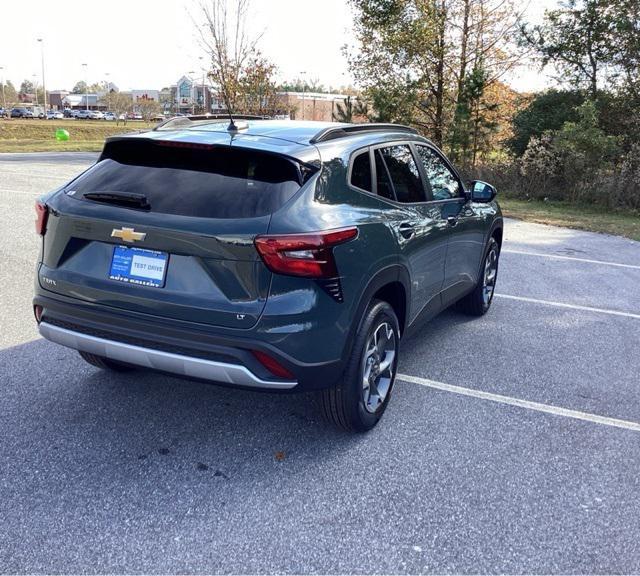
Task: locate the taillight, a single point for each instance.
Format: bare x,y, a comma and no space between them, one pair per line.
273,365
308,255
42,214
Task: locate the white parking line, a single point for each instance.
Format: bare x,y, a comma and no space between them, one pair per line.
570,306
558,257
528,405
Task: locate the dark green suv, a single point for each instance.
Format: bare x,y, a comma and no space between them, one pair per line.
265,254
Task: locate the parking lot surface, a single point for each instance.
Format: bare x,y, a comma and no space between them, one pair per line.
512,443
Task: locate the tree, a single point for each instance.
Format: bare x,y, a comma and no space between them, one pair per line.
578,39
80,88
303,85
228,44
344,112
148,108
10,95
27,87
412,58
547,110
257,93
119,104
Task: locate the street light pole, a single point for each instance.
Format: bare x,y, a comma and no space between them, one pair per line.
304,89
204,97
4,100
194,92
44,86
86,87
107,94
35,87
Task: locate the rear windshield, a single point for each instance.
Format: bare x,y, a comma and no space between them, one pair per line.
215,182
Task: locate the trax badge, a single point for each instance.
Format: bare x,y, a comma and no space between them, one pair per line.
127,234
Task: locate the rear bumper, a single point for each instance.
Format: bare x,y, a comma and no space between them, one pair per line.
182,348
179,364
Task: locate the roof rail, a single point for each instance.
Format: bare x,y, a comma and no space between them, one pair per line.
185,121
332,133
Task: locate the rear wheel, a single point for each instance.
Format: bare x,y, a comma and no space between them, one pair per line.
105,363
479,301
359,400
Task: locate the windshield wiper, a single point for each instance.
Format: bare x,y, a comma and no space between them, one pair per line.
130,199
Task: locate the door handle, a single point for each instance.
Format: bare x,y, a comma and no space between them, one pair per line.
452,221
406,230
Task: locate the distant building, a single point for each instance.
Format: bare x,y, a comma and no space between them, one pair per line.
55,98
137,95
190,96
311,105
80,101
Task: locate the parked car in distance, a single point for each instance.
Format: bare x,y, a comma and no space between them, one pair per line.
54,115
3,113
96,115
21,113
293,256
109,116
82,114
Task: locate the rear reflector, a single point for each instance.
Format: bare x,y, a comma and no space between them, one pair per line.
42,214
273,365
37,310
308,255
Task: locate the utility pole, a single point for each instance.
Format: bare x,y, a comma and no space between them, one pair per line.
194,92
4,100
304,89
86,87
107,94
35,87
44,86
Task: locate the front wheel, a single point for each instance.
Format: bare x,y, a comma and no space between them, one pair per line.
359,400
479,300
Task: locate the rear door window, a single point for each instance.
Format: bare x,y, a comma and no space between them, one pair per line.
383,184
215,182
404,173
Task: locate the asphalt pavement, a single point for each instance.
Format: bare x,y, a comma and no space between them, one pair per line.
511,445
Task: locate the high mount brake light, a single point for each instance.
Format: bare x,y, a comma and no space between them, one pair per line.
191,145
307,255
42,215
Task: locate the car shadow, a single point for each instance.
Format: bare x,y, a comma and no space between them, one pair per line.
55,401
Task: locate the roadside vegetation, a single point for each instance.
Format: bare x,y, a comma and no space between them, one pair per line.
571,154
577,216
39,135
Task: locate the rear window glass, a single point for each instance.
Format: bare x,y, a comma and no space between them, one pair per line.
219,182
361,172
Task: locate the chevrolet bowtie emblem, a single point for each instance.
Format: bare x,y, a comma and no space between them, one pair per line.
127,234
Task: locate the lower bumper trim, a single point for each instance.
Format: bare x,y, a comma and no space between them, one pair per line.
160,360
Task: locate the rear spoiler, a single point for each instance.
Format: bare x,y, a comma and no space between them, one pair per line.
126,147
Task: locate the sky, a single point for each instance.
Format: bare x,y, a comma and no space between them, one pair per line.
149,44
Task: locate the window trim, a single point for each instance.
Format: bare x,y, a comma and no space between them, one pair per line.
439,154
395,201
352,158
425,182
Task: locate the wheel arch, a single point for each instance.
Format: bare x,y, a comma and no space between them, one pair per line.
390,284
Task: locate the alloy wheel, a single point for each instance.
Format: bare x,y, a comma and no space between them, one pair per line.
378,366
490,275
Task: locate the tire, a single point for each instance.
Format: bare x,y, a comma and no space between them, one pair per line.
351,404
105,363
478,302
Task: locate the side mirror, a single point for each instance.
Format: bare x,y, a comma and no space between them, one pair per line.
482,192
